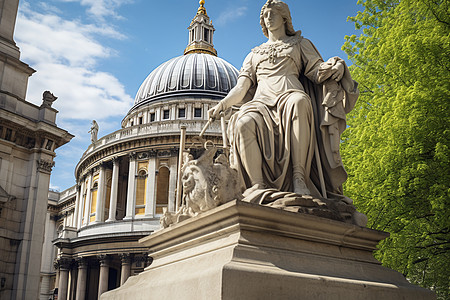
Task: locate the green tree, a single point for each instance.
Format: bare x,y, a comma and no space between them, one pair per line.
396,148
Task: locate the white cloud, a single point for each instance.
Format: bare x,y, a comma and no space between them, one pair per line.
102,8
231,14
65,53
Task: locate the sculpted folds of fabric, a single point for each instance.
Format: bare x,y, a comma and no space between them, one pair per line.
279,72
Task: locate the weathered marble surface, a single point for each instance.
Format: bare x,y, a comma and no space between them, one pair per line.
246,251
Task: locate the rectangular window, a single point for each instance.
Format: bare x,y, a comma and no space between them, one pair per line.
152,117
166,114
140,120
181,113
197,112
206,35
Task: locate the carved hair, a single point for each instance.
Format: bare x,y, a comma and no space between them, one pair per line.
281,8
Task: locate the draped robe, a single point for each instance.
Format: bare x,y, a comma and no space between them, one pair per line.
276,71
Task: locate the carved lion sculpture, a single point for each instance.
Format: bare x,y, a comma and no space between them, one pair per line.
206,185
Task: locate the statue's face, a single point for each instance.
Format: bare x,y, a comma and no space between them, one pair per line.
273,19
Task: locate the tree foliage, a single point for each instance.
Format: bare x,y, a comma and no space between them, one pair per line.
396,148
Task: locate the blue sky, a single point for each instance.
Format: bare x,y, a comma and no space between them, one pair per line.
94,54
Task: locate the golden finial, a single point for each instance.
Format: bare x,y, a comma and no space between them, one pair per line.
201,9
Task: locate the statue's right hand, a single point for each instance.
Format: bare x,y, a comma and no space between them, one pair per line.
214,112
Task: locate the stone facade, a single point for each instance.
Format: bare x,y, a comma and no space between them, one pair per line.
28,139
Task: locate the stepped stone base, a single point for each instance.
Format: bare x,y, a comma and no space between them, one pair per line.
246,251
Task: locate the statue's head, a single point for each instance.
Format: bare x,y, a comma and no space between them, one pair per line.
283,9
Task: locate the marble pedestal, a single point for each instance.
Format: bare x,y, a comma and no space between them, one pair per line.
246,251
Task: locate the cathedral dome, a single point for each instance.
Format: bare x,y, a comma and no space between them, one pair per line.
195,74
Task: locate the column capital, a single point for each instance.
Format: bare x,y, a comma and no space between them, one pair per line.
104,260
82,262
45,166
64,263
116,160
125,258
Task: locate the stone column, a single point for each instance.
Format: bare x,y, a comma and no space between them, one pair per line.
64,267
87,205
100,207
205,111
172,183
104,273
126,267
81,279
151,188
131,193
173,112
76,212
114,191
189,112
73,282
80,214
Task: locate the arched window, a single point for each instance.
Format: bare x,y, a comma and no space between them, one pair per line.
141,191
162,189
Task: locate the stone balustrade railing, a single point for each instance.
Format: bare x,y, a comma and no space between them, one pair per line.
156,128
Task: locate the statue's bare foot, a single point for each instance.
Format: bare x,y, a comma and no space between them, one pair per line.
300,187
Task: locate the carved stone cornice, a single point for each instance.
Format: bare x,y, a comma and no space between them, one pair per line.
45,166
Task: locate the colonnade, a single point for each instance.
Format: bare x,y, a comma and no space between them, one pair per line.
98,191
79,268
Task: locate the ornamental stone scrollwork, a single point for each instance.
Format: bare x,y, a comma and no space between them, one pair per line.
45,165
152,153
56,265
163,153
133,155
141,260
143,155
168,153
